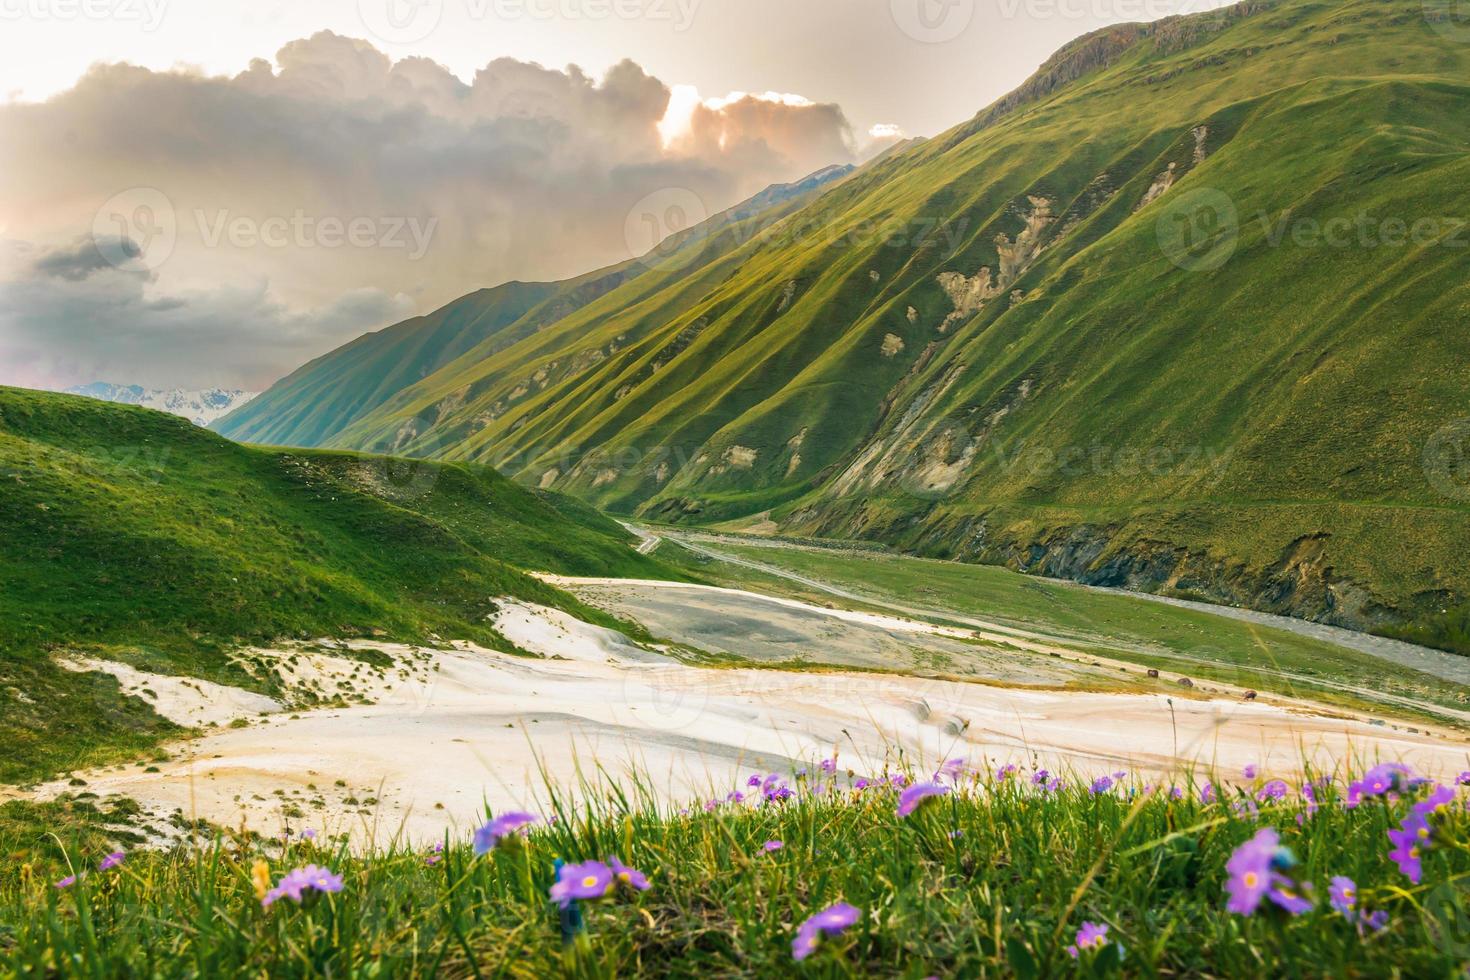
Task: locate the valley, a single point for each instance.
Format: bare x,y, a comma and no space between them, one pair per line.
800,653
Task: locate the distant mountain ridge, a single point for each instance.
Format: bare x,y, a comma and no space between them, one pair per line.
312,405
201,407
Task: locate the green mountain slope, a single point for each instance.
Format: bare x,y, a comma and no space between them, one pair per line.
134,535
316,402
1185,312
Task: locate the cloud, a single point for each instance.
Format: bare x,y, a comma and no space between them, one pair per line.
79,318
279,192
86,257
880,137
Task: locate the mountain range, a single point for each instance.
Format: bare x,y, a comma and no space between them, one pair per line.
201,407
1184,312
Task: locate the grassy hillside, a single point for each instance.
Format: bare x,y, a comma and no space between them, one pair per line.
133,534
314,404
1183,313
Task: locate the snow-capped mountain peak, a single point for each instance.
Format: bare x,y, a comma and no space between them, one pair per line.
200,407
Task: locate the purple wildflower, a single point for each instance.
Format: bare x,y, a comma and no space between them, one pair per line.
1344,894
1249,772
831,921
1256,872
435,855
860,784
1005,772
297,883
753,780
1288,896
918,795
1387,779
1373,921
488,837
1464,779
829,766
952,770
1101,785
1207,792
589,880
898,780
67,882
1441,796
772,845
111,861
1250,872
1309,793
308,834
1091,936
1275,790
1409,841
631,877
1040,777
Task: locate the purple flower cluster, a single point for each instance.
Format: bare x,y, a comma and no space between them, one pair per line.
296,884
1344,896
1090,937
1273,791
1389,781
591,880
774,789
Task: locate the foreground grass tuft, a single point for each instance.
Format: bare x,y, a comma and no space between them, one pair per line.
994,873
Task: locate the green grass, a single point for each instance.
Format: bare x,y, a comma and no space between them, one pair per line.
1257,431
138,537
993,880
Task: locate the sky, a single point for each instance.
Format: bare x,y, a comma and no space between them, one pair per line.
211,192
